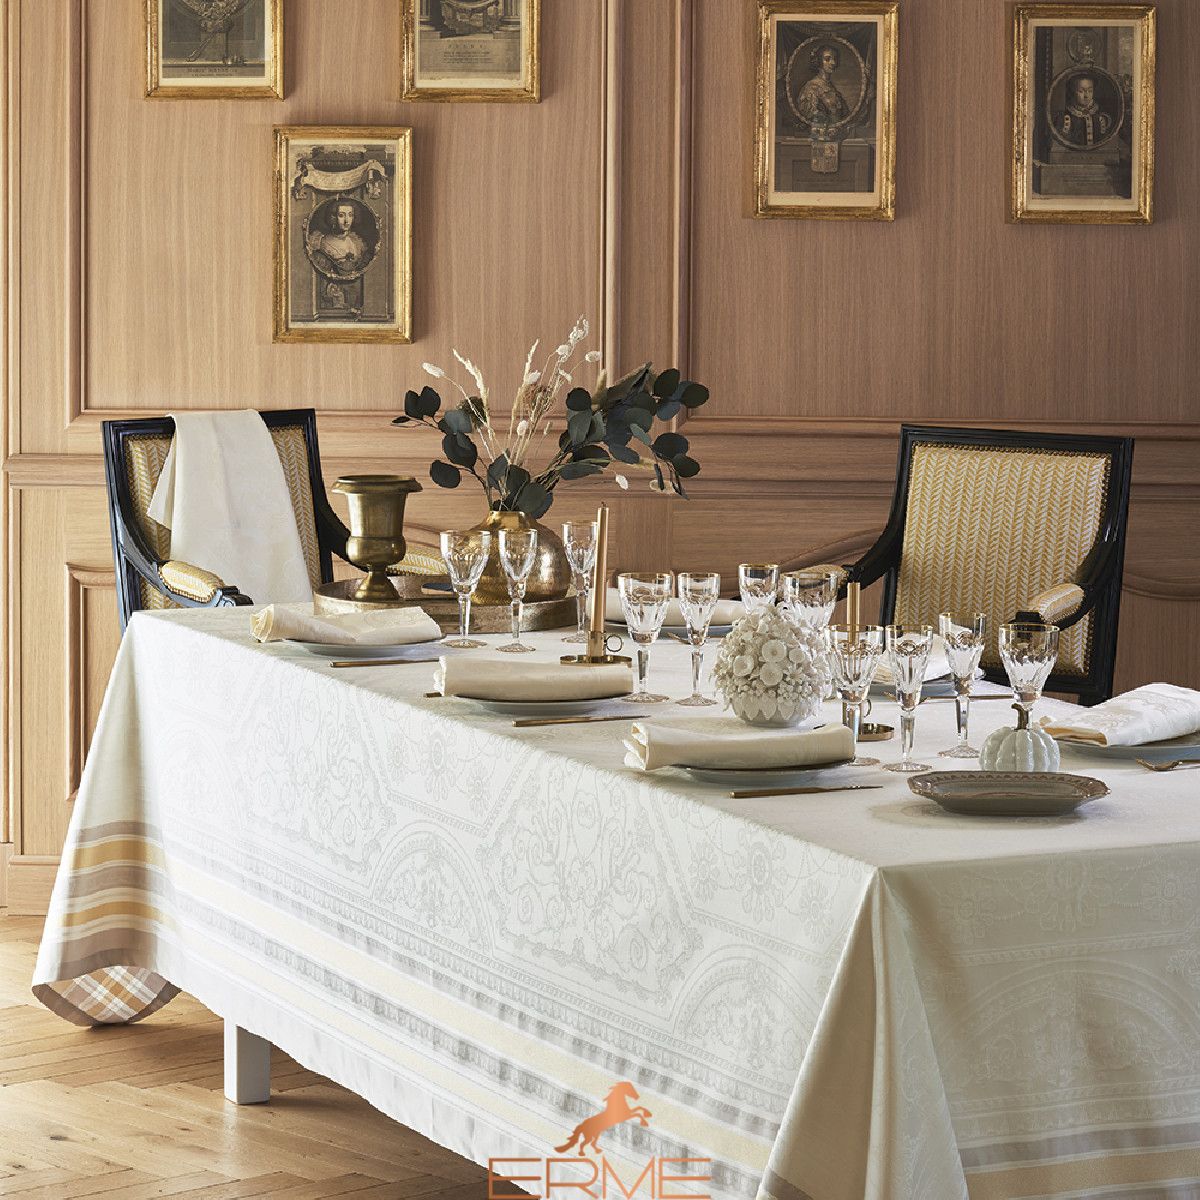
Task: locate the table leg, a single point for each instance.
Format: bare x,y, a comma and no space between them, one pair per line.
247,1066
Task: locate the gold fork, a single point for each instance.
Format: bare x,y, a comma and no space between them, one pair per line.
1168,766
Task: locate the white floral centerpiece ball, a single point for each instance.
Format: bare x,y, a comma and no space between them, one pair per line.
770,671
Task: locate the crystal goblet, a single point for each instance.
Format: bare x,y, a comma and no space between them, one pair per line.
465,553
908,648
852,660
963,634
644,599
758,584
698,596
517,550
579,542
1028,651
809,596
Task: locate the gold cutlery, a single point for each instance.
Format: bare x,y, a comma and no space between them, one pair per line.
381,662
974,699
530,722
687,641
804,791
1168,766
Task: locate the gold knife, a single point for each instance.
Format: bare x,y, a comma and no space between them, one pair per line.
974,699
530,722
804,791
380,662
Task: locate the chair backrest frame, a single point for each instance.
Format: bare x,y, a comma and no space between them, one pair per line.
135,560
1105,560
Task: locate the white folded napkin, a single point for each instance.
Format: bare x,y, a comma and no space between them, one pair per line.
725,612
395,627
490,679
728,743
1150,713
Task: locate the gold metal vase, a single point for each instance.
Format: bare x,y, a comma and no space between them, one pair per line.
550,576
376,541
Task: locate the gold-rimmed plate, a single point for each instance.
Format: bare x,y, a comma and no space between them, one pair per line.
1008,793
760,777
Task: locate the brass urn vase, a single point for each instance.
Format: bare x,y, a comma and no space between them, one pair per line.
550,576
376,541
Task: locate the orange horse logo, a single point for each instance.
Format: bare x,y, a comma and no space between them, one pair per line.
616,1110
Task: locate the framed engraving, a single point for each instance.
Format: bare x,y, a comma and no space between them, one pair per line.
471,49
825,110
214,49
343,234
1082,135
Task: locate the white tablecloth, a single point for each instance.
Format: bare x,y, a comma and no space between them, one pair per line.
482,929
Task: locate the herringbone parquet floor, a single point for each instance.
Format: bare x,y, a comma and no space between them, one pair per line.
129,1112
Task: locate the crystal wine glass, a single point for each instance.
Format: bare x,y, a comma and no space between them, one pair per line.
517,548
1029,652
908,648
698,596
465,553
579,541
809,597
852,659
759,583
963,634
644,597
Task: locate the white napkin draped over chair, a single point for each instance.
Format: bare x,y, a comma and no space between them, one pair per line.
490,679
393,627
223,495
726,743
1151,713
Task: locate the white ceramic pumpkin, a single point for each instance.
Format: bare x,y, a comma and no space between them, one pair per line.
1020,749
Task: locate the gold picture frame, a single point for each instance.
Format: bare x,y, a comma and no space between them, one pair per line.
1081,141
838,155
214,71
483,29
343,233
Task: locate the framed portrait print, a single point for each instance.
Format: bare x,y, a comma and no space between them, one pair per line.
825,110
471,49
217,49
343,234
1082,138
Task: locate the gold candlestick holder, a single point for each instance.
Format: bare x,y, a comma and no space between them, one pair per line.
598,653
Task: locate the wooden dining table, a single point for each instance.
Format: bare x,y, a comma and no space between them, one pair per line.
495,934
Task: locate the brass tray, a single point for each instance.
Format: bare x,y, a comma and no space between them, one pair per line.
336,598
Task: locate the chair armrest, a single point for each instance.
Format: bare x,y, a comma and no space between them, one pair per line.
842,573
193,586
1058,605
420,560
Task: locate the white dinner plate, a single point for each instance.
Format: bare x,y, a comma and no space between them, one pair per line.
541,708
415,651
1187,746
1008,793
760,777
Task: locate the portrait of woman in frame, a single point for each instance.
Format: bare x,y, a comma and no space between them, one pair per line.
1082,138
825,125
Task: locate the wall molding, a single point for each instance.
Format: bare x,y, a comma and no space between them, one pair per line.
77,581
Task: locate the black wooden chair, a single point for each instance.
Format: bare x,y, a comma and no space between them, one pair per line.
1020,526
147,576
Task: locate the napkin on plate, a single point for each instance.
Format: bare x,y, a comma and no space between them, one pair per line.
728,743
938,666
1150,713
490,679
395,627
725,613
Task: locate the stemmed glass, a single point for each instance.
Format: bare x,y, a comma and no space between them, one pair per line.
1029,652
852,659
465,553
908,648
579,541
698,596
759,583
517,548
644,597
809,597
963,634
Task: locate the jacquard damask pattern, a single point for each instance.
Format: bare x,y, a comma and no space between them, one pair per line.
988,529
481,929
